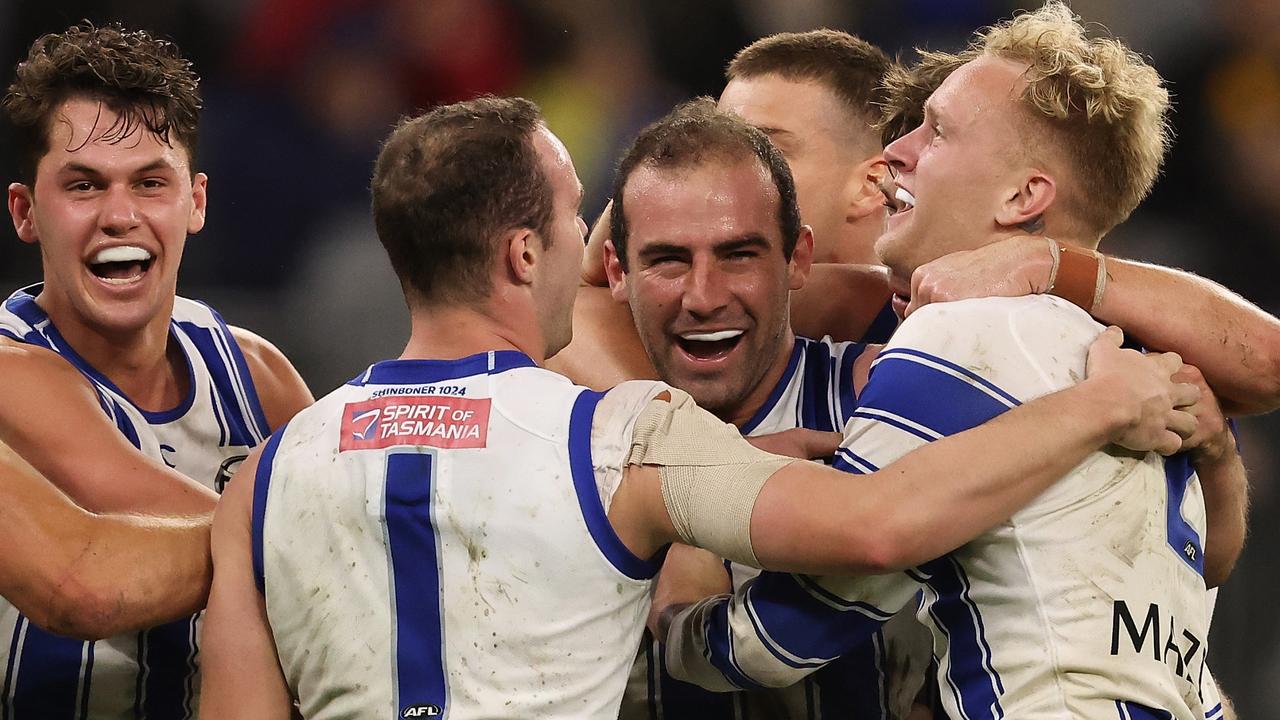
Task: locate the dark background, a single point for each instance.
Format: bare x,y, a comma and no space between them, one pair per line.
299,92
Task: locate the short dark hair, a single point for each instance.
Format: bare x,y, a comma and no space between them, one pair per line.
692,134
849,66
143,79
447,184
907,88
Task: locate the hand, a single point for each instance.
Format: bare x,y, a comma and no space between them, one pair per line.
1212,439
799,443
593,257
1009,268
688,575
1143,387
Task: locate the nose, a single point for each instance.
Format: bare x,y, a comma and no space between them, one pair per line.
901,154
705,290
119,213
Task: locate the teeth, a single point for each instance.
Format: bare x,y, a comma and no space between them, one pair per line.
712,336
905,198
120,281
123,253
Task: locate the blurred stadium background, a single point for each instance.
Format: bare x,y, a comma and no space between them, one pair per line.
298,94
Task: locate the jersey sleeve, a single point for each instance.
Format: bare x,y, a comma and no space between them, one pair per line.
611,428
953,366
779,627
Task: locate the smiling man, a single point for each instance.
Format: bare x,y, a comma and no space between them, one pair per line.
1041,615
126,397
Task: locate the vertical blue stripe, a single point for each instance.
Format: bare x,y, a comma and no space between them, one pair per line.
48,676
848,399
206,345
1183,538
976,685
261,484
815,401
411,539
167,670
254,411
882,327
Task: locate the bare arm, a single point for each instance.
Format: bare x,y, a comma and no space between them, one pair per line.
1235,343
242,676
281,390
90,576
50,416
814,519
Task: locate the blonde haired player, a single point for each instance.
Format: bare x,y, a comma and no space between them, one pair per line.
1090,601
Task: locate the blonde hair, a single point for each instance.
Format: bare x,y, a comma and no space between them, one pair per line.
1108,106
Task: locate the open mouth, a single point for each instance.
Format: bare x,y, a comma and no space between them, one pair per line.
120,265
709,345
898,199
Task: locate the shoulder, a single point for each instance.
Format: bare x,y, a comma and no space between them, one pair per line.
1027,345
29,367
281,389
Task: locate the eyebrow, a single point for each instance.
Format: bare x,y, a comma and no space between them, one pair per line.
152,166
749,240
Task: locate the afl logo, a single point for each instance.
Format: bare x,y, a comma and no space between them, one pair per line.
421,711
226,470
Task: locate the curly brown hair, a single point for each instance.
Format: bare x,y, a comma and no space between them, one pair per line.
144,80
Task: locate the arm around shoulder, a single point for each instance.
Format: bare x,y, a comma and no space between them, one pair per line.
281,390
91,576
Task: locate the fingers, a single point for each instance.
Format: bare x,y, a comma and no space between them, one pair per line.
1113,336
1181,423
1170,444
1169,361
1185,395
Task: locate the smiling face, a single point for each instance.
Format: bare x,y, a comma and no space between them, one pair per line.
823,145
707,280
111,217
956,170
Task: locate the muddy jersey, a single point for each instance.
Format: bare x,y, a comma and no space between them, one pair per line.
432,539
152,674
1089,602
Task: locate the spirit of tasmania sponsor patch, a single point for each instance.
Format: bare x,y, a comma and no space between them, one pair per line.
434,420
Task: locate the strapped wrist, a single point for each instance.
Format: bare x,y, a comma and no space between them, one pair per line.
1081,276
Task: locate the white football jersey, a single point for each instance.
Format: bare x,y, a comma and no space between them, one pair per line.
1088,603
432,539
152,674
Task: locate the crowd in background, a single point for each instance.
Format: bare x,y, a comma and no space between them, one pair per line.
298,94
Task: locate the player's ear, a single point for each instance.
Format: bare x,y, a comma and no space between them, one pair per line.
199,201
523,246
1025,204
20,206
863,190
801,259
614,272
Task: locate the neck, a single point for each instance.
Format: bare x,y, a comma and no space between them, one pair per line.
755,399
143,363
449,332
857,246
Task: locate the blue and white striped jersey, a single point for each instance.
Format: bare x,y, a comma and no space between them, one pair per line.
875,681
1090,602
432,539
152,674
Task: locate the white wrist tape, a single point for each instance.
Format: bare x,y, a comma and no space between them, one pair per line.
711,477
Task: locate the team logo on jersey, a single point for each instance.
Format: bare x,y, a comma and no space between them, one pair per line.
432,420
420,711
226,470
